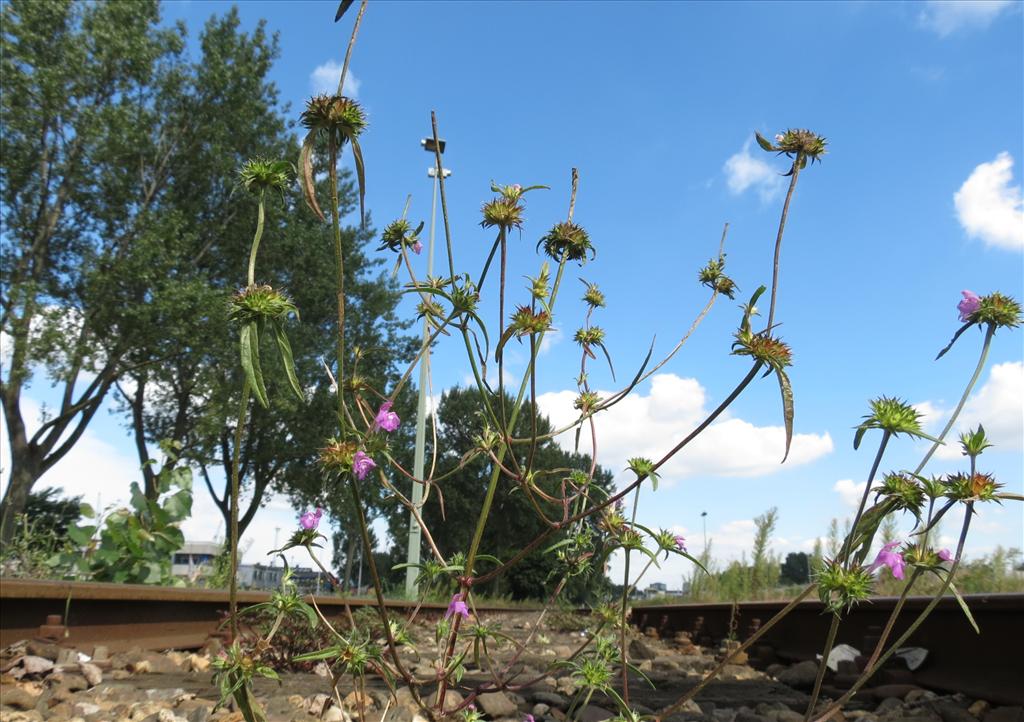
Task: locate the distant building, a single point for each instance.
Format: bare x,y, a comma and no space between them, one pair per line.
195,559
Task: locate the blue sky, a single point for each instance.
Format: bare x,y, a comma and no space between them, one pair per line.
918,198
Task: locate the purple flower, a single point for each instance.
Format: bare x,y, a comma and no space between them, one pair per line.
417,247
945,556
969,306
311,519
457,606
361,464
680,542
528,718
386,418
888,558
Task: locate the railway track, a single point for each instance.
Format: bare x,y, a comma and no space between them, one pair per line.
987,666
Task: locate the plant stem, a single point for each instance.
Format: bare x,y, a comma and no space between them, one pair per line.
778,238
678,704
236,453
848,544
339,261
963,398
829,641
351,45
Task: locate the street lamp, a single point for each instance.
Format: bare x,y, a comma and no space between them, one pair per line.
704,519
413,556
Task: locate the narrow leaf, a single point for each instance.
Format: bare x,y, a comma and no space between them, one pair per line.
763,142
787,407
861,430
953,340
343,7
357,154
250,348
963,606
286,358
306,179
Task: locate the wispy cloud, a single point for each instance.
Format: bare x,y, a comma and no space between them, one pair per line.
649,425
998,406
850,491
743,171
324,79
989,207
945,17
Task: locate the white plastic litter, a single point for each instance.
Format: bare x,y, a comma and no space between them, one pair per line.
840,653
913,656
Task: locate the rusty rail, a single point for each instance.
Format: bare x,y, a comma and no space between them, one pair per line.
988,666
123,616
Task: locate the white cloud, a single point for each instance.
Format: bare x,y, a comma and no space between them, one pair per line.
945,17
650,425
999,406
850,492
989,207
324,79
743,171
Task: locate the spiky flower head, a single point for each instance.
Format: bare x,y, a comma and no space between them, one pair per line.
974,442
768,349
337,456
257,303
526,321
258,175
505,213
586,401
400,234
590,336
798,143
840,588
540,287
464,297
713,276
593,296
998,310
894,416
972,487
903,492
334,116
568,240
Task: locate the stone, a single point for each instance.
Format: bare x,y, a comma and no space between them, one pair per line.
664,664
951,712
745,715
39,648
724,715
978,708
170,694
593,713
316,704
540,709
800,675
774,670
85,709
36,665
74,682
550,698
497,704
890,706
912,695
639,649
690,708
739,672
1005,714
199,714
93,674
198,663
788,715
18,697
335,714
120,674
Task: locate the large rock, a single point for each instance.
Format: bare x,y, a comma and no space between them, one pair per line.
951,712
800,675
550,698
593,713
18,697
638,649
497,704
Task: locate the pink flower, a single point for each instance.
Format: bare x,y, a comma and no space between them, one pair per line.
457,606
361,464
311,519
969,306
386,418
888,558
680,542
945,556
417,247
528,718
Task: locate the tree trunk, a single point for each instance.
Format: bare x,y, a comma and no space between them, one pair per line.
24,473
346,582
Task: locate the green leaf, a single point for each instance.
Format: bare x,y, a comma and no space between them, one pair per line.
861,430
787,407
250,348
87,511
286,358
80,535
306,179
953,340
327,653
764,143
357,155
963,606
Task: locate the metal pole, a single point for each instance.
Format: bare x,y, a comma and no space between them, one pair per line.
421,424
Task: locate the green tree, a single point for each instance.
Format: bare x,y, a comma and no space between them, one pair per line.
453,507
764,570
796,569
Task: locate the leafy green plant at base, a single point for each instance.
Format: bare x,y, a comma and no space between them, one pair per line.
134,545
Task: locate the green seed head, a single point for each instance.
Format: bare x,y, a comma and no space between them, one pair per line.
569,240
255,303
260,174
999,310
502,212
334,115
840,589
